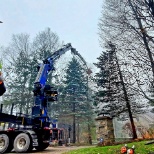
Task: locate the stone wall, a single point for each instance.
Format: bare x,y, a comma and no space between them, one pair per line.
104,129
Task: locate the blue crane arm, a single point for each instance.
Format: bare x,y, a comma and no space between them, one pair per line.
48,63
42,92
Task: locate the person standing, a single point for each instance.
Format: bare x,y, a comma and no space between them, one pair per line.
2,86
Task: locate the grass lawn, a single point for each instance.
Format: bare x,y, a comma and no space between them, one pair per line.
140,148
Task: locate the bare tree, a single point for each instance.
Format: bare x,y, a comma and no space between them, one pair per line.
129,25
22,59
45,43
17,70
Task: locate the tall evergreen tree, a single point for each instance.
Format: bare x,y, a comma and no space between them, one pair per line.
111,86
75,84
110,95
113,97
74,100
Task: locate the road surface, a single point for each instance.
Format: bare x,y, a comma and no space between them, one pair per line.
57,150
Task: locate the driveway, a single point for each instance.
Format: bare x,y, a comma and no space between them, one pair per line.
57,150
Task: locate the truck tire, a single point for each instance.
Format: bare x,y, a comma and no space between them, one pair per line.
22,143
42,146
5,144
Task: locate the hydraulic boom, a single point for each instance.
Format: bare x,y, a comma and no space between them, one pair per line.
42,92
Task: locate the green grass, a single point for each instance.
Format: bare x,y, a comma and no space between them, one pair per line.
140,148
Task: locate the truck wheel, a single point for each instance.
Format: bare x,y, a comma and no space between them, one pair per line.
22,143
42,146
5,144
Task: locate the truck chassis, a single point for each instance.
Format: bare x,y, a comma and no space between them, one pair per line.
25,138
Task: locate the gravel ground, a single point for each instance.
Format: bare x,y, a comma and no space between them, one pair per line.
57,150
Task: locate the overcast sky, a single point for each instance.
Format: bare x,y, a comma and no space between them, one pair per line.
74,21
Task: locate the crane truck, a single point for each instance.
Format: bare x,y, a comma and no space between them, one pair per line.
36,131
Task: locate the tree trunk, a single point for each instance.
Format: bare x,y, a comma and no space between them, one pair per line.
125,95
